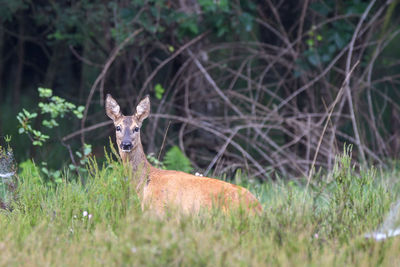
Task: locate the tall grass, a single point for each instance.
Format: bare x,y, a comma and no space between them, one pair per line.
101,223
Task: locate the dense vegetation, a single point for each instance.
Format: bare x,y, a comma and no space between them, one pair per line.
238,84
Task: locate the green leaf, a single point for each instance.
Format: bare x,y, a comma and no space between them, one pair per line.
45,92
159,90
87,149
340,42
45,171
27,114
37,143
57,174
49,124
247,20
312,57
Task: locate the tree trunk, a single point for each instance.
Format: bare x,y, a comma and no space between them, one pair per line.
52,66
86,71
20,64
1,69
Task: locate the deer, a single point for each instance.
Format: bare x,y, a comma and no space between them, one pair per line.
160,189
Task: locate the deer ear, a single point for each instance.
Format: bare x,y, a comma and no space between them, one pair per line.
112,108
143,109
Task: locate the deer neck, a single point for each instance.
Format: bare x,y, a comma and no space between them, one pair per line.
136,158
138,162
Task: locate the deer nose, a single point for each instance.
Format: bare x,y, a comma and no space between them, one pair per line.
126,145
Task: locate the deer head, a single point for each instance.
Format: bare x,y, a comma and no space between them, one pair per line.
127,127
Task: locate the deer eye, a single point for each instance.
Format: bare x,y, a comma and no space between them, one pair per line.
136,129
118,128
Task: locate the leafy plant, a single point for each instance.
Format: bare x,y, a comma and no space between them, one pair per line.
174,159
24,118
324,44
354,195
53,176
83,158
52,108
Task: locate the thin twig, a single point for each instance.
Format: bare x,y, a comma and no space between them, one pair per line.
87,129
220,152
347,82
174,55
215,132
81,58
163,142
326,125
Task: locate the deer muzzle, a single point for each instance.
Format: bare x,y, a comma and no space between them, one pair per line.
126,146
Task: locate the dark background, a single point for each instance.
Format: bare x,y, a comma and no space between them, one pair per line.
247,84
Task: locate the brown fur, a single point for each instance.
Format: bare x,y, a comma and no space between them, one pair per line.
160,189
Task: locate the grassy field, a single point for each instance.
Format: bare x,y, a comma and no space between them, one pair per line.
101,223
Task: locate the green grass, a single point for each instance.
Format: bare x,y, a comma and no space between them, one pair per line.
324,226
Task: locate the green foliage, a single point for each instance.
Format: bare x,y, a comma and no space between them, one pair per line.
53,177
324,44
25,120
9,8
73,24
159,20
52,108
174,159
56,107
353,195
83,158
29,169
